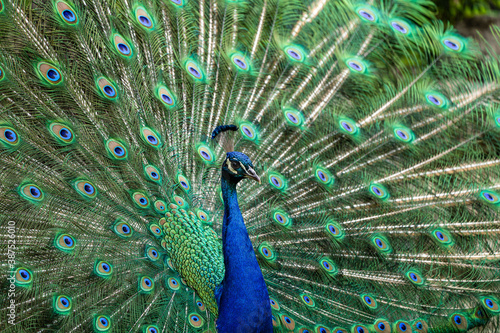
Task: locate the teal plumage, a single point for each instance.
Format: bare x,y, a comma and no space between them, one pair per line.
375,130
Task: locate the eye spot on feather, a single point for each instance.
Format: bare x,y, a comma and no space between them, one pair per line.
379,191
144,19
434,100
116,150
381,244
103,269
151,137
274,304
184,183
402,327
437,99
173,283
123,229
288,322
328,266
155,229
307,300
85,188
194,70
358,67
62,304
399,27
323,176
275,322
23,277
415,277
152,173
443,237
65,242
459,321
282,218
420,326
140,200
106,88
160,206
295,53
180,202
369,301
152,253
202,215
293,117
491,304
277,181
49,73
9,136
382,326
166,96
178,3
152,329
453,44
206,154
195,320
322,329
267,252
122,46
31,192
403,134
240,61
102,323
490,197
67,13
348,126
62,133
146,284
367,14
248,132
335,230
200,305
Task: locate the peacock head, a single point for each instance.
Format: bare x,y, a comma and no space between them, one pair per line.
238,166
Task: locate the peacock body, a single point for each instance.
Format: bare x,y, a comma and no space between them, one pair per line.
373,127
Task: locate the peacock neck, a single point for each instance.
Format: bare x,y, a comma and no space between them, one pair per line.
244,294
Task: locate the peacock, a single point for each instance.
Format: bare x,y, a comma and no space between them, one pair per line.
318,166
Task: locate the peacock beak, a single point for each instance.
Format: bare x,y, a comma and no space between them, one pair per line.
252,174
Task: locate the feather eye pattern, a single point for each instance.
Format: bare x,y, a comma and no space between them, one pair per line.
166,96
103,269
373,127
122,46
66,12
65,243
62,133
49,73
62,304
23,277
106,88
102,323
85,188
123,229
31,192
9,137
116,150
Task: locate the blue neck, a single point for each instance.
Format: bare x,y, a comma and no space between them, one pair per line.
244,300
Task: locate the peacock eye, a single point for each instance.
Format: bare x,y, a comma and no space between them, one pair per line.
235,165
